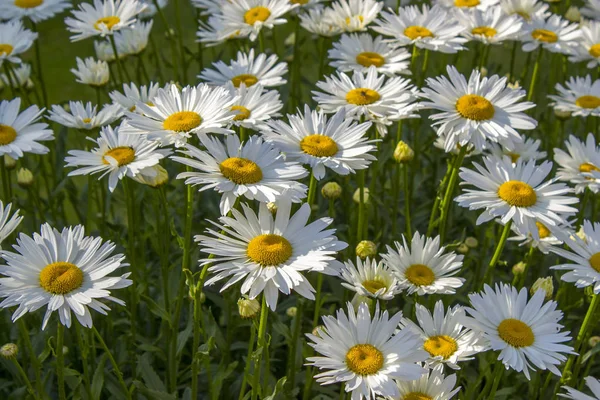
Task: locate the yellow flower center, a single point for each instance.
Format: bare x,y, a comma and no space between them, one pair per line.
475,107
544,35
514,157
587,167
440,345
466,3
374,285
5,49
517,193
109,22
595,50
241,171
416,396
28,3
256,14
486,31
523,14
419,275
543,231
362,96
182,121
60,277
588,101
87,120
364,359
123,154
360,18
8,134
367,58
319,145
242,113
269,250
246,79
299,1
516,333
417,32
595,261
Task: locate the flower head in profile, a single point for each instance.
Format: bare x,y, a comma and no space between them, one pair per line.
20,132
92,72
134,40
580,96
543,241
103,18
117,155
176,114
132,94
577,164
476,111
516,192
432,385
63,270
317,22
254,169
370,278
424,267
592,383
85,116
431,28
8,221
525,9
524,149
15,39
491,26
589,45
338,143
525,331
353,15
35,10
366,352
270,253
21,77
553,34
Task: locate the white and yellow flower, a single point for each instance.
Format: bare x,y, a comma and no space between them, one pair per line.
254,106
553,34
370,278
526,9
35,10
15,39
466,5
545,238
524,149
353,15
92,72
85,116
21,132
8,222
580,96
491,26
430,386
577,165
316,21
588,48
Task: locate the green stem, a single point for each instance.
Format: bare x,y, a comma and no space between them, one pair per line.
492,383
5,182
312,190
248,360
122,70
60,361
295,339
360,177
260,344
33,360
407,201
25,378
38,63
114,364
536,68
497,253
131,232
83,350
448,197
512,61
172,43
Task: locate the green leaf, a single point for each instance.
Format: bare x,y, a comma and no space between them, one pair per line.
278,388
150,377
153,394
98,378
156,309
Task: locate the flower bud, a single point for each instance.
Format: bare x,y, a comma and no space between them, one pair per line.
366,248
291,312
514,85
154,176
358,299
573,14
471,242
9,350
581,234
562,115
518,268
248,308
331,191
403,153
462,248
593,341
317,330
356,196
272,207
9,162
483,71
24,178
544,284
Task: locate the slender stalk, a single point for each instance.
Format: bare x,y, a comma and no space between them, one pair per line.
5,182
534,76
113,362
131,232
312,190
243,134
83,350
492,383
360,177
180,41
122,70
33,360
60,361
512,60
497,253
248,359
25,378
295,339
38,63
406,180
260,344
197,315
448,197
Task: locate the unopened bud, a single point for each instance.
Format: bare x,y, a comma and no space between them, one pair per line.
356,196
562,115
581,234
291,312
154,176
272,207
518,268
331,190
544,284
317,330
573,14
462,248
593,341
483,71
403,153
366,248
24,178
248,308
9,162
514,85
471,242
9,350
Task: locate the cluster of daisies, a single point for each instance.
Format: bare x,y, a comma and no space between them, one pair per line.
229,135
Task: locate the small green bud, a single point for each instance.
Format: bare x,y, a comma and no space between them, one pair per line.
9,350
9,162
291,312
518,268
593,341
403,153
562,115
24,178
356,196
331,191
471,242
544,284
462,248
366,248
248,308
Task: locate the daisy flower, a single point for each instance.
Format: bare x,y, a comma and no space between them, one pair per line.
577,165
86,116
474,112
432,385
254,170
580,96
523,149
584,266
591,9
369,95
357,52
179,113
250,16
105,52
21,77
248,70
133,41
150,9
103,18
270,253
8,222
92,72
592,383
254,105
14,40
214,31
545,237
553,34
526,9
370,278
338,143
132,95
516,192
366,353
427,28
466,5
353,15
316,21
525,332
589,45
65,271
117,155
422,267
209,7
21,132
35,10
491,26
